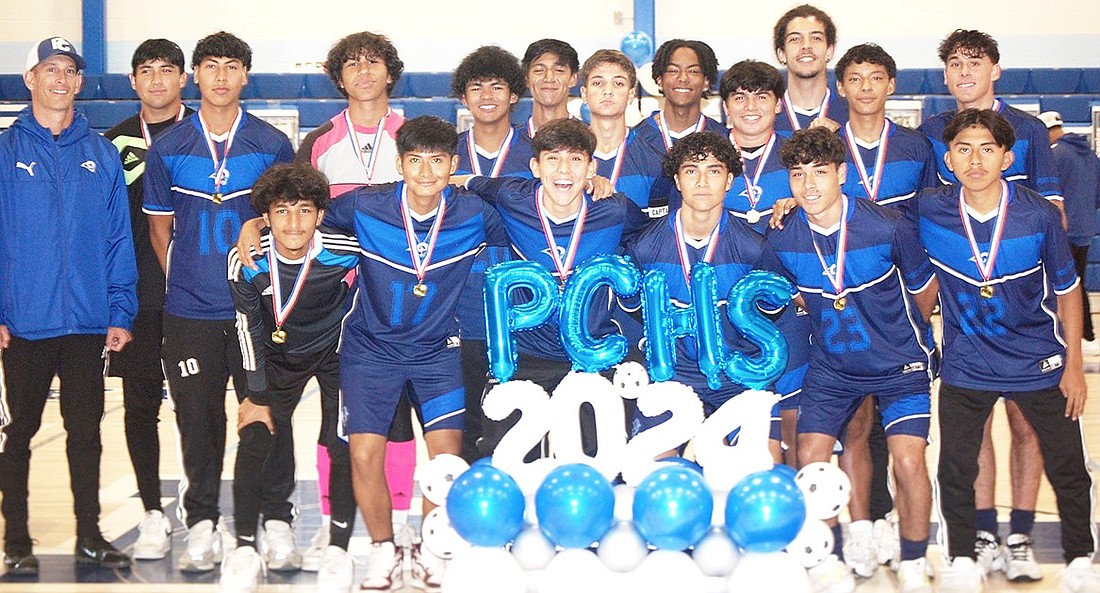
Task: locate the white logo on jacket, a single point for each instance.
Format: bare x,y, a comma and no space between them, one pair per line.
89,165
28,168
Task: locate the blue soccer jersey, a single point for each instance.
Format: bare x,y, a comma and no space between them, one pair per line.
768,177
1006,337
791,118
179,181
516,163
663,194
399,317
1034,164
737,251
869,335
603,226
907,167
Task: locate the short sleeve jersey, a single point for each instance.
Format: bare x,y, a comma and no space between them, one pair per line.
1034,164
908,167
1009,339
179,181
875,337
605,224
351,157
663,195
390,319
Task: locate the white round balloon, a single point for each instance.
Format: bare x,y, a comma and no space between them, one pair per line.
439,535
532,549
483,570
716,555
774,571
826,489
666,570
574,570
437,475
645,76
813,544
630,378
622,549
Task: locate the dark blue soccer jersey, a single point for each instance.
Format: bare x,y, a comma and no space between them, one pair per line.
1034,164
771,184
663,194
606,223
909,167
836,110
877,338
1011,339
740,250
390,320
517,163
179,181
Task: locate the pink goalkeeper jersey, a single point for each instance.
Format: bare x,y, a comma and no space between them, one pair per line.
365,156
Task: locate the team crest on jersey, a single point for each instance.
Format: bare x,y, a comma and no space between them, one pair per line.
421,249
985,258
830,272
557,249
220,177
752,194
870,179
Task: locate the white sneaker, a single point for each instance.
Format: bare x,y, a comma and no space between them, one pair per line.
887,540
384,568
1090,348
988,552
337,571
832,576
204,548
427,569
1019,559
1079,577
963,575
859,549
154,537
311,556
913,577
279,549
241,571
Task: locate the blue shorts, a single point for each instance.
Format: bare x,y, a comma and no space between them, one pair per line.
789,387
829,411
371,388
794,324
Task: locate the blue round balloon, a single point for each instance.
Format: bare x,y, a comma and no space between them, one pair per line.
785,469
673,507
485,506
765,511
575,505
638,46
681,462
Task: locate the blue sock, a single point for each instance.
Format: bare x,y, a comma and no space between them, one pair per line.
911,550
1021,521
838,541
986,520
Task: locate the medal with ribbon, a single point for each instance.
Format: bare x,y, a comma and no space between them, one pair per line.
788,108
681,244
221,174
617,166
375,146
502,153
564,265
985,265
282,308
835,274
420,263
146,135
666,135
871,187
752,186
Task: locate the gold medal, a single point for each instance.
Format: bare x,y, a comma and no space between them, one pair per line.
752,216
278,336
840,303
987,292
420,290
218,198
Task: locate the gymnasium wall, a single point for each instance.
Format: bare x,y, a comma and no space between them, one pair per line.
432,35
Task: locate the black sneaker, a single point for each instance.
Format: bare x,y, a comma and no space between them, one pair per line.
98,551
19,560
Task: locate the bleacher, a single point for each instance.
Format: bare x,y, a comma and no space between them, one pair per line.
108,99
